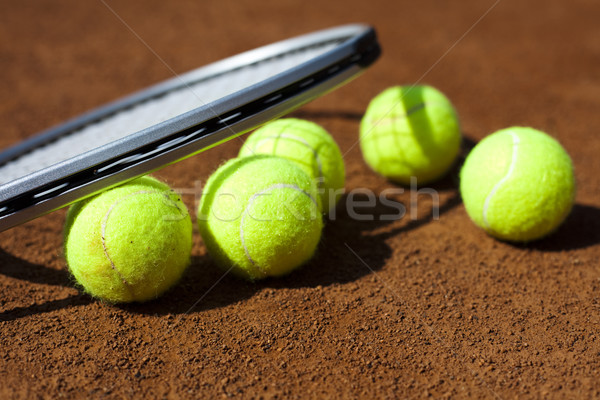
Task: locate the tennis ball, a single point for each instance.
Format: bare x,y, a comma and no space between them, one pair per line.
410,131
129,243
260,216
310,147
518,184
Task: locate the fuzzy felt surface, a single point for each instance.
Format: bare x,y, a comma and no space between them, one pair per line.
410,131
130,243
518,184
309,146
260,216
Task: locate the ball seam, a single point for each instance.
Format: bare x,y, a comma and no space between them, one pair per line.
515,150
300,140
249,205
103,235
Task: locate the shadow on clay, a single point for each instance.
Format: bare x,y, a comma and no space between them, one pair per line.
206,287
49,306
334,114
17,268
203,287
196,284
335,261
350,249
581,229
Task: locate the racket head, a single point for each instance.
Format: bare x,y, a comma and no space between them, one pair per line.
176,119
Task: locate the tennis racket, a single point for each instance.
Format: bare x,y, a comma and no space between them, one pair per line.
176,119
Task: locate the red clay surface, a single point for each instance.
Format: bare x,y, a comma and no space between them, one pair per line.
409,308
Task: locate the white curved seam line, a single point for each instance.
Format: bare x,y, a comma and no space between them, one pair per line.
251,202
103,230
302,142
511,168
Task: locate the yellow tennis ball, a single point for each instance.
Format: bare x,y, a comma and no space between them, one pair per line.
410,131
518,184
309,146
260,216
129,243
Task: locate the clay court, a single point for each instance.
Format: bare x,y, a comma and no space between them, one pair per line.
410,307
